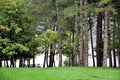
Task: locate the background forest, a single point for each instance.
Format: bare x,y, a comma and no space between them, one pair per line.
63,27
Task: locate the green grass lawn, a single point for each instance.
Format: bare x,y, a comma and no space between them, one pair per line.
60,73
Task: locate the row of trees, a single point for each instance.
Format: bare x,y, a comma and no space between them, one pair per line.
63,27
17,32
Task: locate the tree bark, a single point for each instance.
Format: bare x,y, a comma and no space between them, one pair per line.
46,57
51,61
73,40
91,41
114,43
76,51
33,61
110,58
44,60
114,56
81,40
60,35
99,42
105,39
109,49
86,36
21,62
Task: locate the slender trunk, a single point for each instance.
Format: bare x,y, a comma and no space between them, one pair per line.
51,61
109,49
54,54
44,60
119,59
83,51
69,60
60,48
33,61
60,35
28,63
99,42
86,47
15,64
46,57
114,43
91,41
81,40
21,62
86,36
114,58
12,62
4,63
76,51
105,39
72,41
72,57
110,58
7,65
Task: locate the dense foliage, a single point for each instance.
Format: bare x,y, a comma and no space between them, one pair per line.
64,27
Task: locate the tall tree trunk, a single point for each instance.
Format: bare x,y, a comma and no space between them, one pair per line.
81,40
86,36
72,42
72,57
99,42
114,43
109,49
105,39
90,24
33,61
60,35
76,51
60,49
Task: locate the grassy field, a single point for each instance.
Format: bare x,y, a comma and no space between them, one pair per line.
60,73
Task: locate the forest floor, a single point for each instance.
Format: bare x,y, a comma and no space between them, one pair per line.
60,73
